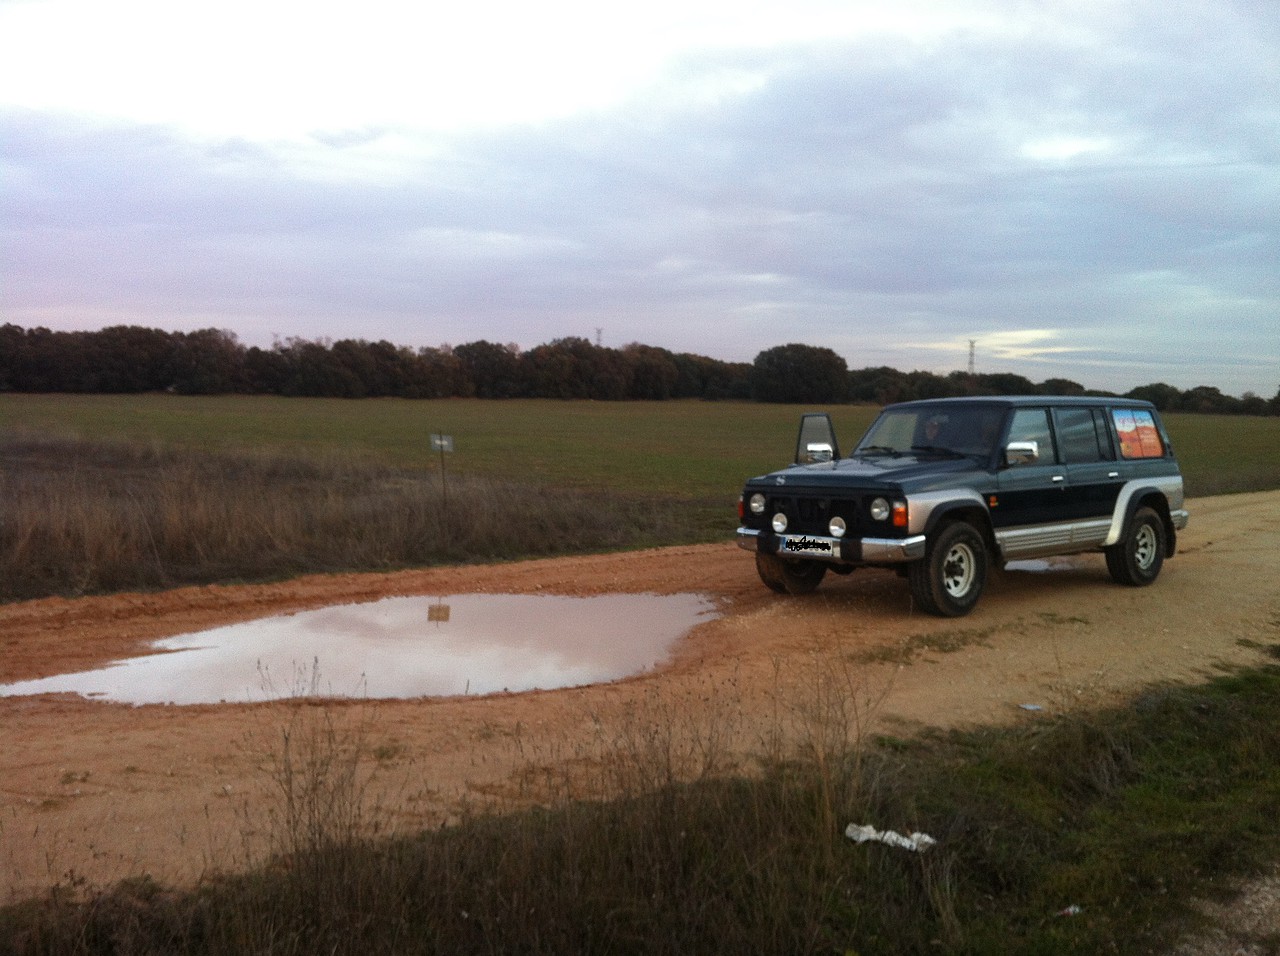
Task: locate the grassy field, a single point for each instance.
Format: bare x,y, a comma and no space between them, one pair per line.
690,449
693,451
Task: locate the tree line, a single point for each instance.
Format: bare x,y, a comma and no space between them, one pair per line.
127,359
131,359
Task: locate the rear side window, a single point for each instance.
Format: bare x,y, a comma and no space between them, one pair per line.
1082,435
1139,437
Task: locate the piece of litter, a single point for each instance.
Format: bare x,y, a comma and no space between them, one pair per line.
1031,707
1072,910
917,842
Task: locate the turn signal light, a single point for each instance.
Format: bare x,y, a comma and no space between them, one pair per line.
899,514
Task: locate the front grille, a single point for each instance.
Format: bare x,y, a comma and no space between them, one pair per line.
806,515
812,513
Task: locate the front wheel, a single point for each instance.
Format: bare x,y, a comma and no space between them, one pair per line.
1137,559
949,579
790,577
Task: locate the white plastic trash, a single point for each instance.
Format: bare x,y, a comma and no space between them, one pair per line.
917,842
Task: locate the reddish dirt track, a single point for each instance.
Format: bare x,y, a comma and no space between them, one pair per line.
96,791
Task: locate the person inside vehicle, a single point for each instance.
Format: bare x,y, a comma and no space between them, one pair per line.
932,429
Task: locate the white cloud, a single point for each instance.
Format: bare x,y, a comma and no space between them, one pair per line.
1057,182
1066,147
275,69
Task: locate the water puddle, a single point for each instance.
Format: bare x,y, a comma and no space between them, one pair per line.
400,647
1042,565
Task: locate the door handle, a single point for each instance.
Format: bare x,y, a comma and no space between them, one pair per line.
1113,474
1058,478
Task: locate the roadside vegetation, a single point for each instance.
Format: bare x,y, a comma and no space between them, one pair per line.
174,490
1080,833
82,517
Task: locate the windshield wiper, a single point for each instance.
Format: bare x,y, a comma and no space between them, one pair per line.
937,450
877,450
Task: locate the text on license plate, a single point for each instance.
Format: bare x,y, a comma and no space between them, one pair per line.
803,545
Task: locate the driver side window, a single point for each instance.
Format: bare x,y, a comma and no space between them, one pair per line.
1032,424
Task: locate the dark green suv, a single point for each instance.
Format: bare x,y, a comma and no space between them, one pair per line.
940,489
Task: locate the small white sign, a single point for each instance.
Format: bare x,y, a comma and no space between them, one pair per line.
442,443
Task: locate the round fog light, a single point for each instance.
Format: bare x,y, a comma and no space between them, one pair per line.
880,509
779,522
837,527
757,504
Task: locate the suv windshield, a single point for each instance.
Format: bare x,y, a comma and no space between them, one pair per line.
934,430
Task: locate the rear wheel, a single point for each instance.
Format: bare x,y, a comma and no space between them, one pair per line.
949,579
790,577
1136,560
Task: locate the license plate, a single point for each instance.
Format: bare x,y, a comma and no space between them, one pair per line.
802,546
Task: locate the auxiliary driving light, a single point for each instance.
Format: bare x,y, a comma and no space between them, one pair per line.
837,527
779,522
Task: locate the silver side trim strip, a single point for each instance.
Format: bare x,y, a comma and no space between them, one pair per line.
1034,539
1091,533
1040,539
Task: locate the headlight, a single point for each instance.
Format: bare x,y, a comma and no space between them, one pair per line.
880,509
757,504
837,527
779,522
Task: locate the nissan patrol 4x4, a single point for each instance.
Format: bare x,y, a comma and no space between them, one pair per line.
940,489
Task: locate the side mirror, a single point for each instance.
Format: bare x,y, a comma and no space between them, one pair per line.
1021,453
817,439
818,451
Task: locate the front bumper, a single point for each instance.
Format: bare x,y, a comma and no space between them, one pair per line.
835,550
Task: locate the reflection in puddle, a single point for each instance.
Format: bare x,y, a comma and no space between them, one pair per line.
400,647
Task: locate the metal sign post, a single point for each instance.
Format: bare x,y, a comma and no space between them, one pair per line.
442,444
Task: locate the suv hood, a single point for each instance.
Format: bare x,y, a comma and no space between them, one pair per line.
873,470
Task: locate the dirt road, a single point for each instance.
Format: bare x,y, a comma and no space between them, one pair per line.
96,792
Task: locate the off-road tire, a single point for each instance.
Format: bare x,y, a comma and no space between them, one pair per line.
1137,559
949,579
767,566
790,577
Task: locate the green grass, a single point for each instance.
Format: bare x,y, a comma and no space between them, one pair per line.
693,451
687,449
1224,454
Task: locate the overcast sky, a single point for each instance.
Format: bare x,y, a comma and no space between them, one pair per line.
1086,189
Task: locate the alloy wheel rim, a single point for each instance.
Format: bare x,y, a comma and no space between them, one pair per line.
1144,546
958,569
